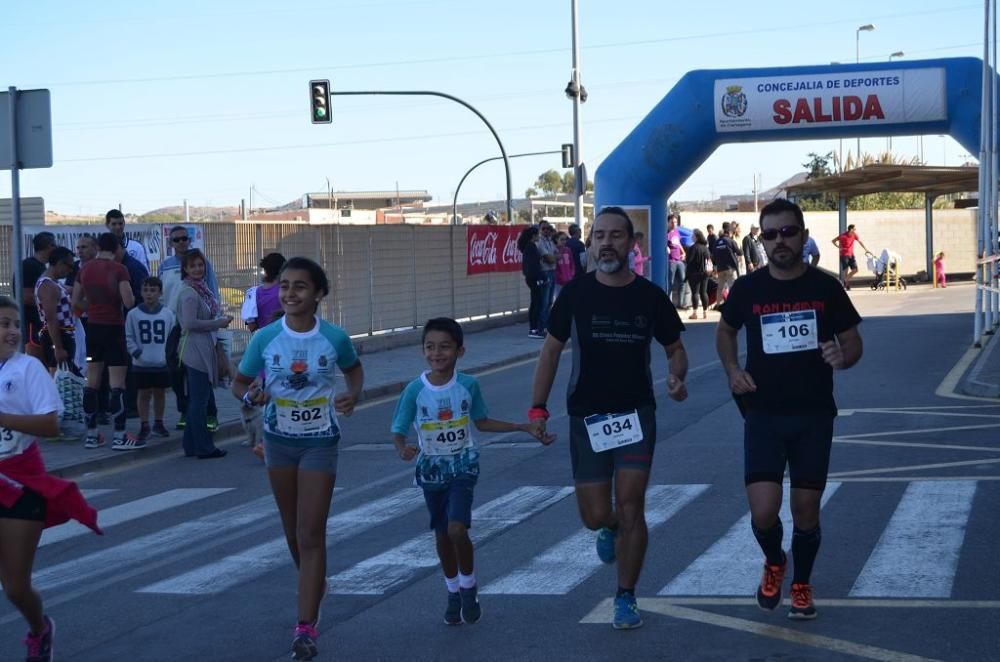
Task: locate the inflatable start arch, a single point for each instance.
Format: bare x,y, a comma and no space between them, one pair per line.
706,109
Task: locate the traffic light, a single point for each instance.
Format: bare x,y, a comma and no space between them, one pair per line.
567,155
319,98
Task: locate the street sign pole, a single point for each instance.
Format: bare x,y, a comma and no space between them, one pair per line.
15,208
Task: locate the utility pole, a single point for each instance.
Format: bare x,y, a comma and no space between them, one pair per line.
581,186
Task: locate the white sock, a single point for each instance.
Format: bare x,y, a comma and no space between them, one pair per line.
452,583
466,581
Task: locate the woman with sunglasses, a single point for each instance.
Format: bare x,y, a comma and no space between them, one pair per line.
801,326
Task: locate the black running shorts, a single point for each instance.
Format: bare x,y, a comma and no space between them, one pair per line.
31,506
106,344
592,467
803,442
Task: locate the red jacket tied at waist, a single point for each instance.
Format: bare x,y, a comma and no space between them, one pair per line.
63,498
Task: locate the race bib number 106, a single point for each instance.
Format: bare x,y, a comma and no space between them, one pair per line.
789,332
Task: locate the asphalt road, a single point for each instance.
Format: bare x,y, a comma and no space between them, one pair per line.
193,566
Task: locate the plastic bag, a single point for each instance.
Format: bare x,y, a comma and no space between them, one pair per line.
70,383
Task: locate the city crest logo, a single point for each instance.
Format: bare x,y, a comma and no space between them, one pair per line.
734,102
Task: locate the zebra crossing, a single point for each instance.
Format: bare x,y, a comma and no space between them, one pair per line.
916,555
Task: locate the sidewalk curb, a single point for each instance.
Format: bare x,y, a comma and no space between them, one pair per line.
229,431
969,384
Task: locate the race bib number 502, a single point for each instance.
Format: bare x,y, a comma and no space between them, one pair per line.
789,332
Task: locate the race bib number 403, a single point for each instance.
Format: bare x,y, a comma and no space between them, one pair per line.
608,431
298,418
789,332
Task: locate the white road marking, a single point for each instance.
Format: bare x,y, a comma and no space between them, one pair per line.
917,554
130,511
90,493
894,433
379,574
562,567
252,563
915,467
907,444
88,568
862,603
733,564
602,614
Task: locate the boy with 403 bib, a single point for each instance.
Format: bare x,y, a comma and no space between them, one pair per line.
442,406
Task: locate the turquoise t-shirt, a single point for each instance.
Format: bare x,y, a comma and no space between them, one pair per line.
443,418
299,377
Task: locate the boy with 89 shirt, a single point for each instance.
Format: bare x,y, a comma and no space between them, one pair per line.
442,406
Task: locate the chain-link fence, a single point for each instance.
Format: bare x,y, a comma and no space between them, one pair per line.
382,277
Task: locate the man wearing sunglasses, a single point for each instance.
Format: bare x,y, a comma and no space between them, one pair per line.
801,326
170,275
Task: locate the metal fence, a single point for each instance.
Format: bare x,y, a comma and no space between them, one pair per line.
382,277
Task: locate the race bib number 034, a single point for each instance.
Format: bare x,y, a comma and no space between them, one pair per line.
297,418
789,332
609,431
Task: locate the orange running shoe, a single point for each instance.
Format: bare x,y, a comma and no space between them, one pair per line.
769,591
802,608
258,450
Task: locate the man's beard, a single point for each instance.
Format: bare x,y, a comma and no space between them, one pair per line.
785,260
610,262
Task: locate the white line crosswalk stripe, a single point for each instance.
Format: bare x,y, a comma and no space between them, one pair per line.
89,567
132,510
732,565
256,561
917,554
379,574
564,566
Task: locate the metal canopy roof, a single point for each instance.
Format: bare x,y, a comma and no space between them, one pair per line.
884,178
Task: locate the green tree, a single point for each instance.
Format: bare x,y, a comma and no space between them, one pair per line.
549,182
817,167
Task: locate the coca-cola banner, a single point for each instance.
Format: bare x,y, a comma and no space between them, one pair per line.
492,248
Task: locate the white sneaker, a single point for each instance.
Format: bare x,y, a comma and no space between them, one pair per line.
126,442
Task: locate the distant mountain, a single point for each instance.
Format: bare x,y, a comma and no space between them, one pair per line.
196,214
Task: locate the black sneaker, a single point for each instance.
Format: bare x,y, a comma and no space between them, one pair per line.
40,646
453,614
471,611
160,431
143,434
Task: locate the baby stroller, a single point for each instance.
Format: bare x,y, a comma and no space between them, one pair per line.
886,269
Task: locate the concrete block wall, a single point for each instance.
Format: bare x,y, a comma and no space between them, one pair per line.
900,230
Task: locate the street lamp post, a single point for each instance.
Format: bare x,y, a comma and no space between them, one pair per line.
892,55
868,27
578,94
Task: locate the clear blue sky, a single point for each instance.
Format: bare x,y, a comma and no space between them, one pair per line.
154,102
